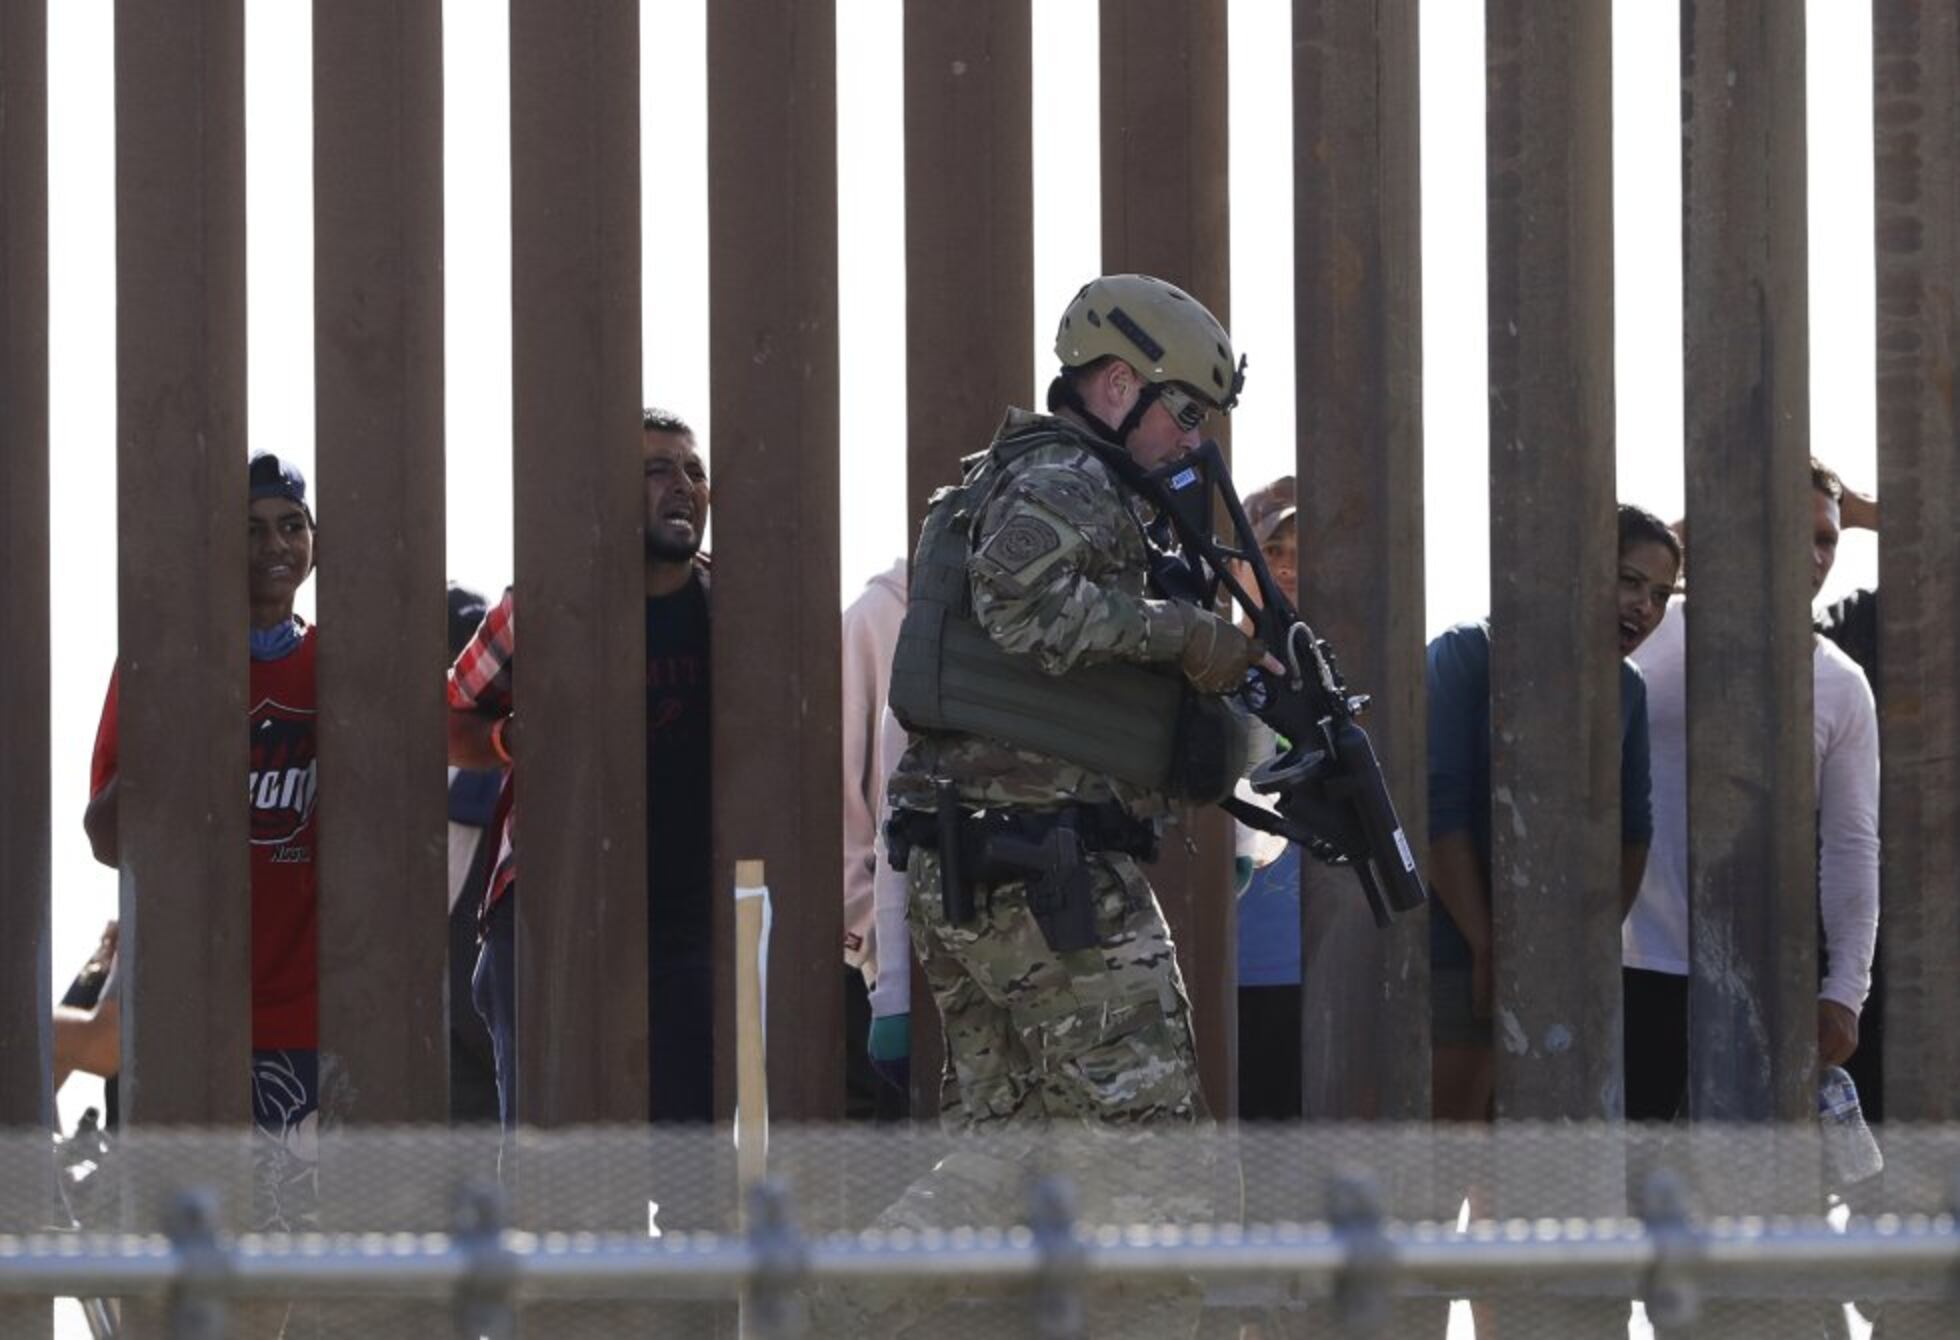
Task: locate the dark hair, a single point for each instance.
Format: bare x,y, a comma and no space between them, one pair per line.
1640,526
653,420
1825,480
1059,397
466,611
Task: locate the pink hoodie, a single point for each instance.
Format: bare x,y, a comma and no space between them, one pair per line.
870,635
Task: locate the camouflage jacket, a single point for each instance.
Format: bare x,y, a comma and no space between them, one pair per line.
1057,568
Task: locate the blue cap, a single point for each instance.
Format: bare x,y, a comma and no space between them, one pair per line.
275,477
466,611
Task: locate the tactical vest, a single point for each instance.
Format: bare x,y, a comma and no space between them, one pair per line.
1140,724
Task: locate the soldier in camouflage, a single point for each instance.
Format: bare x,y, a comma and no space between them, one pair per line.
1059,572
1076,1060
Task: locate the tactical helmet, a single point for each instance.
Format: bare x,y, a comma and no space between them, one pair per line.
1157,328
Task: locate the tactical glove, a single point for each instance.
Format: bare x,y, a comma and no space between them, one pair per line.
1212,652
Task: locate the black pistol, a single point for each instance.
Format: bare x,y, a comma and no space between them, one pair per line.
1060,892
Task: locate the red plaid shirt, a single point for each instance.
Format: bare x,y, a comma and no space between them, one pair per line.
480,682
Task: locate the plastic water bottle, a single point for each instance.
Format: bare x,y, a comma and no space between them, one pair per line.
1851,1154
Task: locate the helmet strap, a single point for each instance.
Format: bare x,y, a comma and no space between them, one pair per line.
1146,397
1067,395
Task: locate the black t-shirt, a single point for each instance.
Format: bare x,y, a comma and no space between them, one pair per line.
679,856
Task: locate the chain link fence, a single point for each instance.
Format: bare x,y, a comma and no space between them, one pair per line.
1253,1234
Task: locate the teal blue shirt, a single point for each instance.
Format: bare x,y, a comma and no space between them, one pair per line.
1459,762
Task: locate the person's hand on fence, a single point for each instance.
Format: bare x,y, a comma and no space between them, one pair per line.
87,987
890,1049
1857,511
1837,1033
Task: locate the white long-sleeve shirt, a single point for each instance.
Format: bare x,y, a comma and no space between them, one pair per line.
1655,934
892,992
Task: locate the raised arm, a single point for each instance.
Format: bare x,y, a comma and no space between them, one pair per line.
470,743
100,821
1032,589
1034,594
481,716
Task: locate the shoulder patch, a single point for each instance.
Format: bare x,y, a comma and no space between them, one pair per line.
1076,494
1022,542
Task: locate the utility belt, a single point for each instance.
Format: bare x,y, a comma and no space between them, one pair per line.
1048,850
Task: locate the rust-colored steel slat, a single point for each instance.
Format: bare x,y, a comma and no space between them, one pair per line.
1555,686
1916,72
378,348
1165,212
1358,348
26,872
1555,885
1751,788
969,281
180,468
25,854
772,333
969,231
1166,206
579,681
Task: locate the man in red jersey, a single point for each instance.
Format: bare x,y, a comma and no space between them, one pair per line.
284,784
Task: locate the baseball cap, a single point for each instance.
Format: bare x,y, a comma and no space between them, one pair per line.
273,476
466,611
1271,507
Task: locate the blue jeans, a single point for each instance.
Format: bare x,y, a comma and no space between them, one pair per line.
680,1040
286,1140
493,990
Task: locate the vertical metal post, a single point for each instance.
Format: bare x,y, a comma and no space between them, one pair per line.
1751,787
1555,676
1059,1312
575,342
1166,212
1358,346
482,1306
377,150
25,871
969,279
969,231
1916,74
1555,885
180,468
769,1304
772,224
197,1306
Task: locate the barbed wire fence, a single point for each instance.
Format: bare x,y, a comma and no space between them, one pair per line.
1348,1231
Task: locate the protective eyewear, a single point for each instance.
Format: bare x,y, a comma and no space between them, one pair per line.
1185,409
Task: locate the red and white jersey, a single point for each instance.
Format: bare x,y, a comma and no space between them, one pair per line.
283,788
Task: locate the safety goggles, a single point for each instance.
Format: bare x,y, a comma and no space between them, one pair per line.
1185,409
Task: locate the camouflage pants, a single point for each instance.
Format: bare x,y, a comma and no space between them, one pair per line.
1101,1034
1082,1062
1079,1066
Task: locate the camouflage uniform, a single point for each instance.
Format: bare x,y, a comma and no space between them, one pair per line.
1057,570
1079,1063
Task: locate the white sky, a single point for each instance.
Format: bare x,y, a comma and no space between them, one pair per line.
872,289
